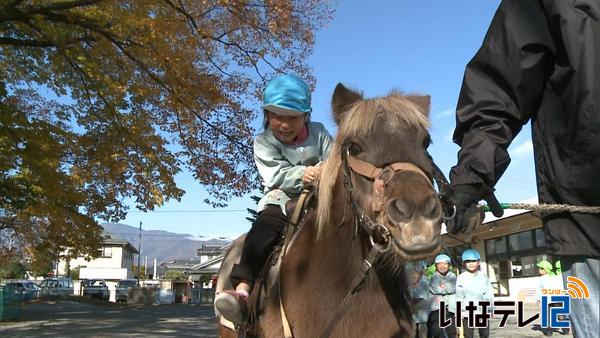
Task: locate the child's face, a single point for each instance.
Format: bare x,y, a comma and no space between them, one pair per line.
285,128
442,267
472,266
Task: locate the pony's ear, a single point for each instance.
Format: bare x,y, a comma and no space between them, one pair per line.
421,101
342,99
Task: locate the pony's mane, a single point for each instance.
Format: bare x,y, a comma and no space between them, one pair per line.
359,121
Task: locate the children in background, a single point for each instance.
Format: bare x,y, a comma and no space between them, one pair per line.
550,281
474,286
442,286
287,154
419,292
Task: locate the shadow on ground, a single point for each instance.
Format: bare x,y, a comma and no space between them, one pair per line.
83,319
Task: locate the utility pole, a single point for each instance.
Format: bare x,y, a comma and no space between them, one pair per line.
139,254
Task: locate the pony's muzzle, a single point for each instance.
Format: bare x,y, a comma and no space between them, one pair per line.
415,227
400,211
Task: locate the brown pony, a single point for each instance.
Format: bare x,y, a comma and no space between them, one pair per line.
361,207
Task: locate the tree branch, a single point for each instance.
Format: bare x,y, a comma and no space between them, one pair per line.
38,43
61,6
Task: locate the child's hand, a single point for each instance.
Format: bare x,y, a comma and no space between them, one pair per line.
311,175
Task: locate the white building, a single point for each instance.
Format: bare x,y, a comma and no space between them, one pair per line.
115,262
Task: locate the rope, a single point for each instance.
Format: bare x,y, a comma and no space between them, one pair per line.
549,208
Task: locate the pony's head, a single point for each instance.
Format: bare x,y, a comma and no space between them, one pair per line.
379,158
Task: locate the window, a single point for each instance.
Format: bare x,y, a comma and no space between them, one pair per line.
540,239
522,250
521,241
495,246
105,252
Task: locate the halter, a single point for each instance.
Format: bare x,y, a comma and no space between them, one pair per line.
378,233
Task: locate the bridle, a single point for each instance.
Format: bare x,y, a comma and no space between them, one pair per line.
377,232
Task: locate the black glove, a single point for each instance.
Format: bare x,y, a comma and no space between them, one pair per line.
468,214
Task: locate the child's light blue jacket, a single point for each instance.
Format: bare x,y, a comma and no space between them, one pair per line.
281,166
443,288
473,287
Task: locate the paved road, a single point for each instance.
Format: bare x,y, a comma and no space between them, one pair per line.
62,318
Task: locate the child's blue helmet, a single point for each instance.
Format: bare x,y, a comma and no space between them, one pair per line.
287,95
470,255
442,258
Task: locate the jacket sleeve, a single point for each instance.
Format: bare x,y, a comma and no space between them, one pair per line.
275,170
502,87
460,290
488,293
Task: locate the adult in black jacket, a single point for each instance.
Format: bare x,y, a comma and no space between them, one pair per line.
539,61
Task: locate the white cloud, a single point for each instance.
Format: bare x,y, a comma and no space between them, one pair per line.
525,149
449,134
443,113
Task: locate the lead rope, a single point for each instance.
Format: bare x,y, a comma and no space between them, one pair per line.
549,208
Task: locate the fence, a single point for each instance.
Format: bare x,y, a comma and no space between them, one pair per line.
202,296
10,303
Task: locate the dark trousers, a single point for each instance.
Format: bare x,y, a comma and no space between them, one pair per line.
433,325
420,330
266,231
469,332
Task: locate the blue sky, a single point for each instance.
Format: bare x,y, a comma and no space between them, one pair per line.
415,46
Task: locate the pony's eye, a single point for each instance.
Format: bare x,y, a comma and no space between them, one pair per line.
427,142
354,149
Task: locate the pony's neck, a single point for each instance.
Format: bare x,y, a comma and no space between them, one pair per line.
318,274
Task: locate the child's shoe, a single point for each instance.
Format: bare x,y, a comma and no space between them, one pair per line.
233,305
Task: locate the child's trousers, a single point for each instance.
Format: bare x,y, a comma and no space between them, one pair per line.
266,231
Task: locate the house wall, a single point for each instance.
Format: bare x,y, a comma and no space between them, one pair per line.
115,263
105,273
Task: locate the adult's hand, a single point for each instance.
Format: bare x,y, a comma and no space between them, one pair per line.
468,214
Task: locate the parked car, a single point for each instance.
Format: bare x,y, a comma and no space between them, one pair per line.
96,288
122,289
27,290
56,286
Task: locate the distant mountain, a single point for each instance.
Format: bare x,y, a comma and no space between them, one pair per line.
162,245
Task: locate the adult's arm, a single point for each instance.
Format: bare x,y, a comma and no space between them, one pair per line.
501,89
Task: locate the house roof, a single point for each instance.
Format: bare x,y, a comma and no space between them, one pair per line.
112,239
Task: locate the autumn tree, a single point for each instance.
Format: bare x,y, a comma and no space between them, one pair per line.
103,102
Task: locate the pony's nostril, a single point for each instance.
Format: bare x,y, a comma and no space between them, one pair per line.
432,209
398,211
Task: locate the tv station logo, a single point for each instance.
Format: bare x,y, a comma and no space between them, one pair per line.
555,305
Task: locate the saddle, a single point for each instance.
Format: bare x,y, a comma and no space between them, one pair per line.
266,283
